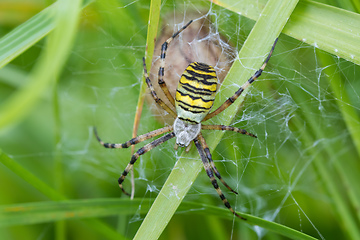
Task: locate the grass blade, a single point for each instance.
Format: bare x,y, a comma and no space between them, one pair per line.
5,219
42,212
311,22
346,171
29,177
48,67
154,18
27,34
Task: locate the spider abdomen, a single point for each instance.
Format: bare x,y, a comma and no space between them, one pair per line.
195,93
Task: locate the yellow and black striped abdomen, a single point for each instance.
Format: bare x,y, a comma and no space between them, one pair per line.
195,93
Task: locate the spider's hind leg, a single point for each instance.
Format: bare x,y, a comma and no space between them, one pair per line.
210,174
140,152
209,157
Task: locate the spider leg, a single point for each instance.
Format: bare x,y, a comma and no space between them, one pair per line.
227,128
210,174
209,157
232,99
140,152
154,95
136,140
164,47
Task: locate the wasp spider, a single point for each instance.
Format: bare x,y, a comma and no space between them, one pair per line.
194,98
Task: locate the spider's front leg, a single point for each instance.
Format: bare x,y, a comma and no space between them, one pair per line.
164,47
227,128
233,98
154,95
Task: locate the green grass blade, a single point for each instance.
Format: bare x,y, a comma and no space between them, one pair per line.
48,67
348,112
60,227
356,5
42,212
268,27
351,119
47,191
29,177
27,34
331,29
154,17
341,206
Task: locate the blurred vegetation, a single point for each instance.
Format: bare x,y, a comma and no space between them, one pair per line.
301,172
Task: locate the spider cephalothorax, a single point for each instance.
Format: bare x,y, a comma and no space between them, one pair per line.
185,132
194,98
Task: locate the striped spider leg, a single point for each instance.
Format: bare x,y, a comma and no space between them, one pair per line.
154,95
141,151
209,158
232,99
227,128
164,47
210,168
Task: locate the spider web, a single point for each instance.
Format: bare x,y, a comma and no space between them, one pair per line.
275,174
